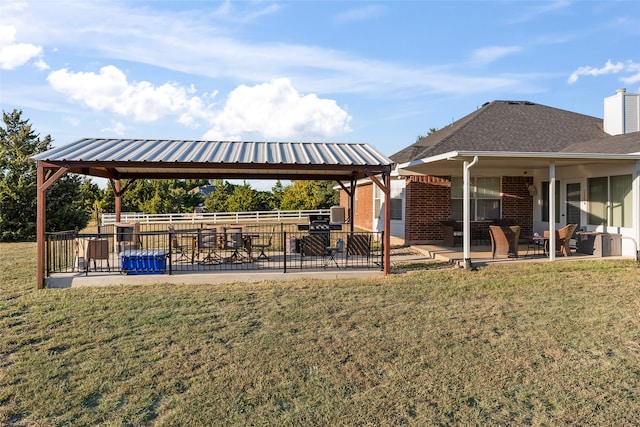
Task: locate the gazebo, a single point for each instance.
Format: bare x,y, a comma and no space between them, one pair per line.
131,159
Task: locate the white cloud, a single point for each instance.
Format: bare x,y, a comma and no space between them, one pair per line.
540,9
117,128
271,110
364,13
203,41
608,68
14,55
109,90
277,110
489,54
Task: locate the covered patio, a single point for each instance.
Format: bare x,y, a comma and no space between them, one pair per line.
123,161
543,171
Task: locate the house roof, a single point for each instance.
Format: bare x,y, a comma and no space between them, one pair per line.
148,158
628,143
508,126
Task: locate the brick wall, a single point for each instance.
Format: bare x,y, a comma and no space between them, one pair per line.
363,215
517,203
428,203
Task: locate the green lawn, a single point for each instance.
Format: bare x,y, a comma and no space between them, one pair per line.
510,344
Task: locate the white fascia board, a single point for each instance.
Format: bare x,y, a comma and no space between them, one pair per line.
408,167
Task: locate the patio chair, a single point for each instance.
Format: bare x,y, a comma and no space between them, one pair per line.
208,244
451,233
359,244
504,240
97,249
313,245
181,250
264,244
563,238
233,241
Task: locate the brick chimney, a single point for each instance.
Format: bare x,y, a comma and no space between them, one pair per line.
622,112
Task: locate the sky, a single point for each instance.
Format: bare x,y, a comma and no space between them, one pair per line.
382,73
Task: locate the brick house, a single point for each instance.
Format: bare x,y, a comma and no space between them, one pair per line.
511,152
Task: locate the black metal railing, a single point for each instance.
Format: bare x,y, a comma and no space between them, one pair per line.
178,249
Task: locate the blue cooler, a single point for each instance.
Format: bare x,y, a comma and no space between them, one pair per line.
143,262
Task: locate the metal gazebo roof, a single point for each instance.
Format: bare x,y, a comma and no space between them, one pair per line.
149,158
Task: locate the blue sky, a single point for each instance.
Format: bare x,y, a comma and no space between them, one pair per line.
376,72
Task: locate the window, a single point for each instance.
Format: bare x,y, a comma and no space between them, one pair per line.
355,199
484,196
610,200
597,195
545,201
621,199
378,199
395,202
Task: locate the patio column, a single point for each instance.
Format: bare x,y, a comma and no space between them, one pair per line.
552,211
466,205
635,189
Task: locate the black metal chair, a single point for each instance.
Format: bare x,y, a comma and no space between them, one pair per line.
181,250
233,242
262,245
208,244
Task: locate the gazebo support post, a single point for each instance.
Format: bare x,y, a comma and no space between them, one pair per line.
43,182
386,242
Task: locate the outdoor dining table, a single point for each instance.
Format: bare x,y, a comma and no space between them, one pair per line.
540,245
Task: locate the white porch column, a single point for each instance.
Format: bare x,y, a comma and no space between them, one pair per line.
466,204
635,192
552,211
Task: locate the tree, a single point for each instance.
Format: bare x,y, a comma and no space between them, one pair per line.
217,201
244,199
431,130
309,195
65,204
18,185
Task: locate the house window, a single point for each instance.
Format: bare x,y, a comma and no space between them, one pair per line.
545,201
378,198
484,197
621,200
395,203
355,200
597,195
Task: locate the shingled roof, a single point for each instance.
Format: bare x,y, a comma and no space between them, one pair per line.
628,143
508,126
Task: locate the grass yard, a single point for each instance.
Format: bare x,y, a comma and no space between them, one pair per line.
510,344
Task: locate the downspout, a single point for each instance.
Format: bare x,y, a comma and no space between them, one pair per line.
466,221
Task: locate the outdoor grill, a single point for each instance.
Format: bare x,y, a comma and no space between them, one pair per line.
320,224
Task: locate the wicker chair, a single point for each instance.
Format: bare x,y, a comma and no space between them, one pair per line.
451,232
504,240
563,238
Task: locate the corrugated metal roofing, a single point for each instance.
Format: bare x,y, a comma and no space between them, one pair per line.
218,152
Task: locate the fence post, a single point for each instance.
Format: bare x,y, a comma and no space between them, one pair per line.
169,260
284,247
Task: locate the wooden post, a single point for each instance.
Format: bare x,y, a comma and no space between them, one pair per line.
41,220
387,223
118,196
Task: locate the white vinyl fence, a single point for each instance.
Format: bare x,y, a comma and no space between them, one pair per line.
214,218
